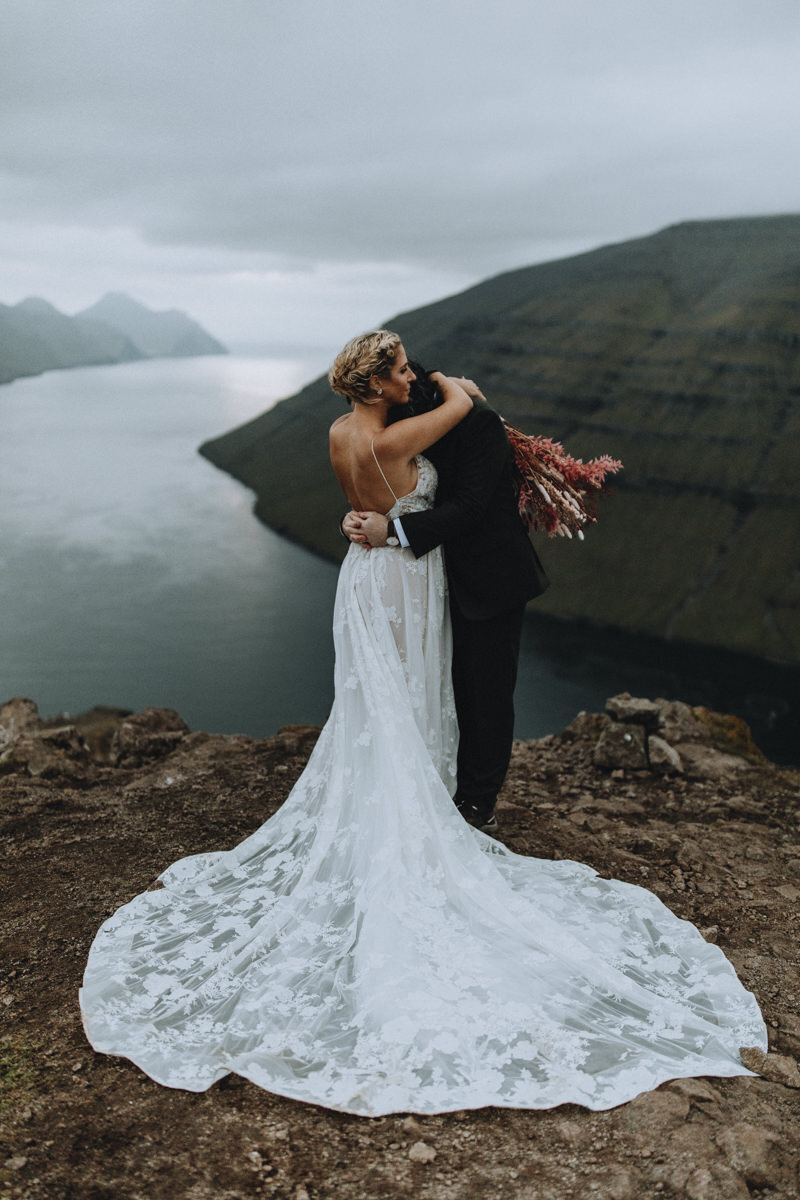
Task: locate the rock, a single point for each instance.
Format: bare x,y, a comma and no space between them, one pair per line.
690,855
663,1110
301,1192
298,739
705,762
777,1068
789,1023
730,734
58,753
678,723
789,892
626,707
27,749
752,1152
411,1125
717,1183
421,1152
97,728
147,735
694,1089
663,758
621,746
16,1162
743,806
620,1186
17,717
586,727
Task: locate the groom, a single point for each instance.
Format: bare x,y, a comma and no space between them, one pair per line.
492,571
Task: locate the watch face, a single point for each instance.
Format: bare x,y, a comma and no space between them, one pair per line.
393,541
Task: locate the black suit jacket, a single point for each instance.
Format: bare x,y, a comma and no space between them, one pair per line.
491,564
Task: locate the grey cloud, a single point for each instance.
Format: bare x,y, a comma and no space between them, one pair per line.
468,139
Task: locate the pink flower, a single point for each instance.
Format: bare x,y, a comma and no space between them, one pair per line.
552,486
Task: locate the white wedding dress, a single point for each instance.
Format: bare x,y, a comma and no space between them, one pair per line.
367,950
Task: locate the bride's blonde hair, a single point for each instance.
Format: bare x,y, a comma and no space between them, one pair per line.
364,356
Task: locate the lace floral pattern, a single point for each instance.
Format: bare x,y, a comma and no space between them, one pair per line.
367,950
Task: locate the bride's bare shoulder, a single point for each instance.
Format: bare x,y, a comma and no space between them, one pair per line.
339,422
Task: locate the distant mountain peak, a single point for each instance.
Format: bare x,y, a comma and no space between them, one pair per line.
36,304
169,333
36,337
119,302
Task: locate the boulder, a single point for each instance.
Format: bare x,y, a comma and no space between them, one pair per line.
663,758
777,1068
586,726
626,707
706,762
17,717
754,1153
57,753
146,736
30,747
621,746
717,1182
678,723
298,739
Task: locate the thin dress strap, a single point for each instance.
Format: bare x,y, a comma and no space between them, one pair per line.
380,468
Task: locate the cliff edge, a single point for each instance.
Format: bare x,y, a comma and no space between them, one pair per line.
654,792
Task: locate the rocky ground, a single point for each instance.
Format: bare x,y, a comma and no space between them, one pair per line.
657,794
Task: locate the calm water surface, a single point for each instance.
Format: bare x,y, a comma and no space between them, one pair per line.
132,572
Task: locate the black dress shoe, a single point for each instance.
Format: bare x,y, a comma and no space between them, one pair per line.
478,820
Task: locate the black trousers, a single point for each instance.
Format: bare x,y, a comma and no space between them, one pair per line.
485,660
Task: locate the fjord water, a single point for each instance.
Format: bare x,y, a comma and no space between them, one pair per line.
132,572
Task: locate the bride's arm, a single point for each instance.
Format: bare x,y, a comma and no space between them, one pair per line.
482,457
404,439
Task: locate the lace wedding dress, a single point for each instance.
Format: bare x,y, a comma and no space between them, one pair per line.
367,950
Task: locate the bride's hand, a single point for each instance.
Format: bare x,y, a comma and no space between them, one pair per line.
470,387
352,526
467,385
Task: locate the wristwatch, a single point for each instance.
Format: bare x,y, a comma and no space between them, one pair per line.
391,537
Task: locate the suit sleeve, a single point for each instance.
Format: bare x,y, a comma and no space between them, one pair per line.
481,456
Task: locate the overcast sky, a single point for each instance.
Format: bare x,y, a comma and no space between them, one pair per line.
294,171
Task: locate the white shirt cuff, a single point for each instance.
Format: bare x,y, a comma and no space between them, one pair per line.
398,528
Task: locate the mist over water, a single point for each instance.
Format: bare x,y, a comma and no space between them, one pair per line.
132,572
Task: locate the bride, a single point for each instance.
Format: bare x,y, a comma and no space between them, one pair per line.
368,950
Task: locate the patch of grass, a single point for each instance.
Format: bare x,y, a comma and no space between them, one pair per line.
17,1072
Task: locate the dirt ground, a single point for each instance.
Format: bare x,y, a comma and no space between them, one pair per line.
719,843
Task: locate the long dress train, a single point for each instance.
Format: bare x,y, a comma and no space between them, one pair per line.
367,950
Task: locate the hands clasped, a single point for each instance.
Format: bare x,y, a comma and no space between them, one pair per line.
366,528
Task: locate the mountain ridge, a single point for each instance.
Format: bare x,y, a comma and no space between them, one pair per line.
678,353
35,336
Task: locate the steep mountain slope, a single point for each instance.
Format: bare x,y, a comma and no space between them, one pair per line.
680,354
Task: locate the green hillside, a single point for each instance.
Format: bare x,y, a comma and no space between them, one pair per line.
678,353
